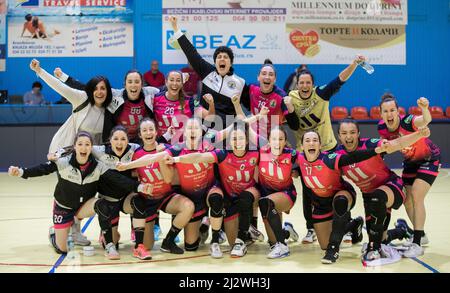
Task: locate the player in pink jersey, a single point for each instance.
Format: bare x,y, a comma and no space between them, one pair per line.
172,108
149,169
332,198
420,165
267,94
237,184
381,188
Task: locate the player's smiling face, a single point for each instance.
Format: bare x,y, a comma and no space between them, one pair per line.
349,136
389,113
305,85
267,78
311,146
119,142
174,83
223,63
133,85
277,141
100,93
238,140
147,132
83,148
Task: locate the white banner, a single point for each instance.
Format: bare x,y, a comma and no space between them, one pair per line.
260,29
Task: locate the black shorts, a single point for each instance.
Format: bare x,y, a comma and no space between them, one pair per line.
153,205
63,217
231,207
290,193
322,207
425,170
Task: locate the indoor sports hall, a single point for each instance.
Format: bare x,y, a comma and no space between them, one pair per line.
375,67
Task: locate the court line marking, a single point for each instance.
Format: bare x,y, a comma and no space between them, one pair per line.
63,256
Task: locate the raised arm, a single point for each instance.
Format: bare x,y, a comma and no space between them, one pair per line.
405,141
209,114
425,118
291,117
201,66
75,97
348,71
69,80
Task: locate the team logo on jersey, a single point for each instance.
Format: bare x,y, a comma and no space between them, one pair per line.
319,168
253,161
374,140
409,119
272,103
285,161
332,156
231,84
196,102
242,167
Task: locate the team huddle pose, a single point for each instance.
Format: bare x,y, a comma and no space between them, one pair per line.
139,151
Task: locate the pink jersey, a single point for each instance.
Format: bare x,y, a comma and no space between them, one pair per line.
274,173
273,101
169,113
131,115
370,174
236,173
423,150
195,179
152,174
323,175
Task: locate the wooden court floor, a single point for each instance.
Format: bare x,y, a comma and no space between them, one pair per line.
25,215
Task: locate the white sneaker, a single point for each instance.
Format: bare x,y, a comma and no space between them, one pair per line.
215,251
310,237
222,237
423,241
293,235
346,240
111,252
414,251
255,234
239,249
80,239
279,250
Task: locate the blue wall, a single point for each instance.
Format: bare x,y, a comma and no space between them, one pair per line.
428,50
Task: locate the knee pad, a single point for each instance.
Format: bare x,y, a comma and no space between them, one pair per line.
103,209
266,205
192,246
376,207
215,201
245,200
340,205
138,205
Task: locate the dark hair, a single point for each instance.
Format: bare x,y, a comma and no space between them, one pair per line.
242,126
36,84
388,97
347,120
28,17
280,129
35,22
71,149
311,131
146,119
226,50
267,61
267,65
125,93
118,128
181,93
90,88
306,71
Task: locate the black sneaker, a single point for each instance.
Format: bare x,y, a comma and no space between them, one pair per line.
357,234
171,247
331,255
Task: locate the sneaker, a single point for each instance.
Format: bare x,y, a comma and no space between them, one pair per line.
157,232
279,250
346,240
170,247
357,234
222,237
414,251
177,239
423,241
80,239
141,252
293,235
255,234
239,249
402,224
215,251
204,235
310,237
331,255
111,252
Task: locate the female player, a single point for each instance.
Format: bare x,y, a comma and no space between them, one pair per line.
162,197
420,165
378,184
80,176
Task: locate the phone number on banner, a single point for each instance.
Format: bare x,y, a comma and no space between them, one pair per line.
230,18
